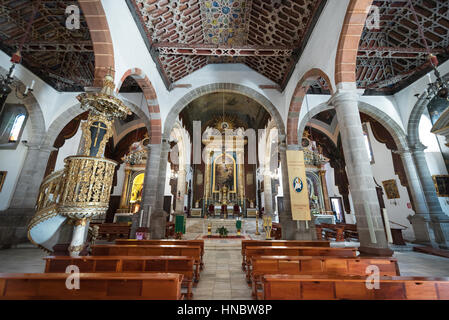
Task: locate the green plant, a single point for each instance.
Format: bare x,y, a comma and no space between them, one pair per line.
222,231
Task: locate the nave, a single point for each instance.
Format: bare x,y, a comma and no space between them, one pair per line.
222,277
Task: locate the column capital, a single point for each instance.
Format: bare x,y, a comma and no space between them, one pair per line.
296,147
402,151
417,147
38,146
343,95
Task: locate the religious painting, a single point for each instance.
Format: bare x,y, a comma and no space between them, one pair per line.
224,173
391,189
2,179
97,132
441,185
199,179
249,179
137,187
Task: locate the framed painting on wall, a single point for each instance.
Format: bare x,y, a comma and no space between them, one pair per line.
441,185
2,179
391,189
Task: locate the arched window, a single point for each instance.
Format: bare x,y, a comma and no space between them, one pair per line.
16,127
369,149
12,124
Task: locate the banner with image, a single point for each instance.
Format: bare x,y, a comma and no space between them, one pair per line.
299,194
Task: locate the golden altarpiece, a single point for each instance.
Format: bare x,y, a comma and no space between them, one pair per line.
224,154
316,178
135,162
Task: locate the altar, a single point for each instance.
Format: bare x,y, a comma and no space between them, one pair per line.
229,224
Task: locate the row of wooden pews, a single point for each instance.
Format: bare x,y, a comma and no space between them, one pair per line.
126,270
338,232
308,270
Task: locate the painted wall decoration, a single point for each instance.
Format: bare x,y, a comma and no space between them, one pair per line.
391,189
441,185
224,22
199,179
249,179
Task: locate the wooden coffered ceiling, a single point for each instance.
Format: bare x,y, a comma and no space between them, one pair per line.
186,35
393,56
61,57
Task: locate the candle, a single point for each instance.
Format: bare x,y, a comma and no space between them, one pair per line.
141,217
12,73
32,85
26,91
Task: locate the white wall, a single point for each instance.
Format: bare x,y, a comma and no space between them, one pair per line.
12,162
70,148
383,170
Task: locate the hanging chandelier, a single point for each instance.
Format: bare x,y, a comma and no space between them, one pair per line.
440,87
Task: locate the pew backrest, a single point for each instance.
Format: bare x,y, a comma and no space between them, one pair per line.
176,264
299,251
310,265
93,286
316,287
147,250
199,243
284,243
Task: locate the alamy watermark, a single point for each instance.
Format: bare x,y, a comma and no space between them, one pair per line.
373,279
73,17
73,280
373,18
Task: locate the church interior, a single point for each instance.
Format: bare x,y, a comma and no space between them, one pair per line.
224,149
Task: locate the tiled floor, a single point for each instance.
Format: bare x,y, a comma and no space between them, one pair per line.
222,277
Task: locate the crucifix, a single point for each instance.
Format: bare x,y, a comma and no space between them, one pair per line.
98,126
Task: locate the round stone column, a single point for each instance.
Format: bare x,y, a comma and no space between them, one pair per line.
439,222
370,227
420,220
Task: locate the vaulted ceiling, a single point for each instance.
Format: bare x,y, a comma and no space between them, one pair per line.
63,58
186,35
393,56
238,109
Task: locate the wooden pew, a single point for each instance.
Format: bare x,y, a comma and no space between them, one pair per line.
199,243
320,287
264,265
330,231
295,251
285,243
93,286
111,231
145,250
126,264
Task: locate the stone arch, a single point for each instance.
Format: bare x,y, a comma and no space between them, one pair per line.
415,116
296,102
221,87
348,45
392,127
35,115
145,84
64,118
101,38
